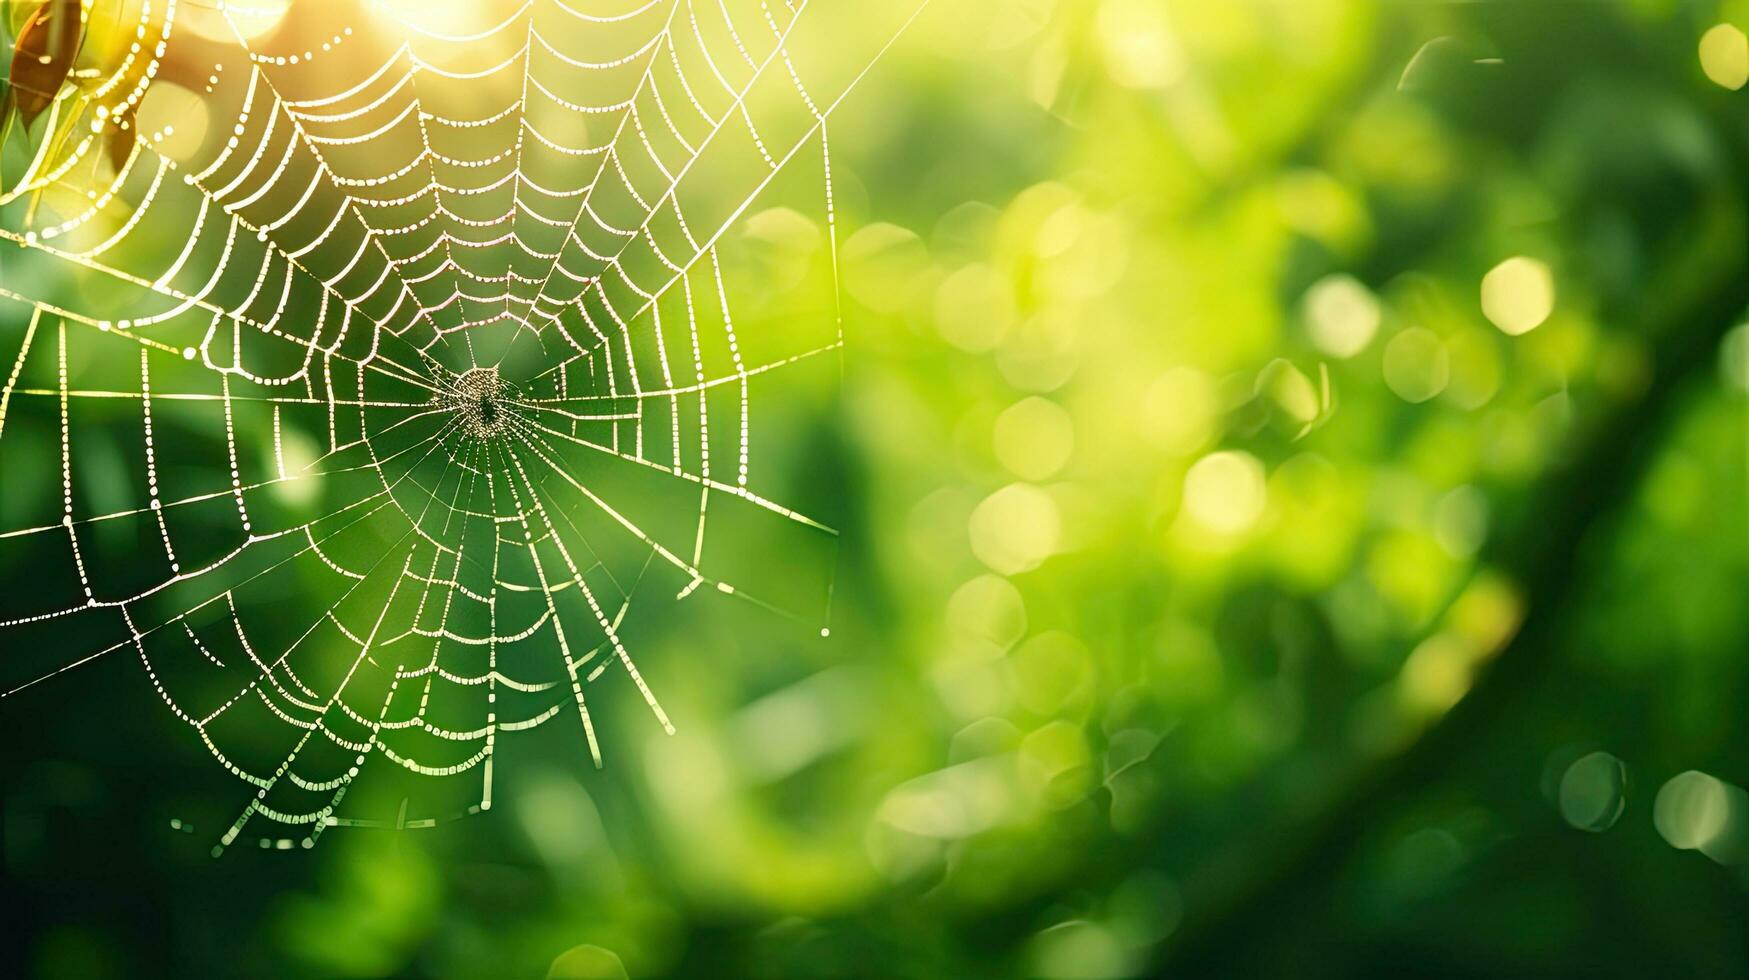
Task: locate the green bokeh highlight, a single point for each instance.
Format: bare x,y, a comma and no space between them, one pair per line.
1169,632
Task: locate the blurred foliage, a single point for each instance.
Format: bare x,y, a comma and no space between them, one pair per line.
1291,459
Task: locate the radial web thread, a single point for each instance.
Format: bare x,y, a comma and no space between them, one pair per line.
361,422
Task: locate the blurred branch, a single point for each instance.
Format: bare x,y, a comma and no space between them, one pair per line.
1701,292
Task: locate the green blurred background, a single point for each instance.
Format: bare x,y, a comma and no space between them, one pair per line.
1291,463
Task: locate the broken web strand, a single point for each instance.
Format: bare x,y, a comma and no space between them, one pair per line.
532,446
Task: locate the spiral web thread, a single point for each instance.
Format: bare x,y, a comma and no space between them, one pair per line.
458,315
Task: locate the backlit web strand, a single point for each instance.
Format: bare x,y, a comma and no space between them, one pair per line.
450,300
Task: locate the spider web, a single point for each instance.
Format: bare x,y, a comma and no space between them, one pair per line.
441,331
